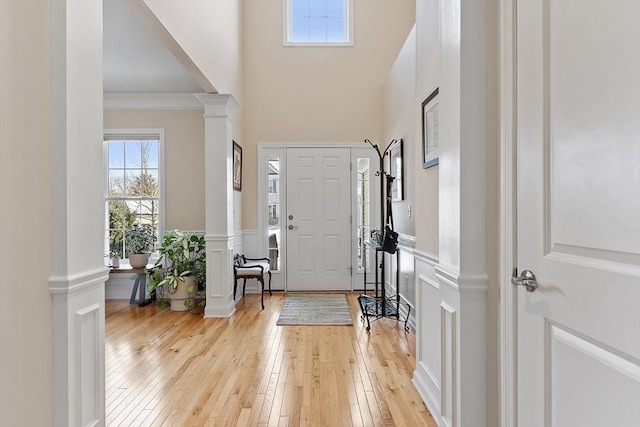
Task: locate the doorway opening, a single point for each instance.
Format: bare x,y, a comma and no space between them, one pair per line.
314,214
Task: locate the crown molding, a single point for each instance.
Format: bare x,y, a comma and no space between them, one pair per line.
151,101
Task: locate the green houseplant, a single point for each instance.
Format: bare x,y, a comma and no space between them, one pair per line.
138,242
115,255
182,260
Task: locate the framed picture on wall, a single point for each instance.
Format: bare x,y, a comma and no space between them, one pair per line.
430,130
396,169
237,166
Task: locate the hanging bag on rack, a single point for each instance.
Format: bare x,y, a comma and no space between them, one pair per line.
390,240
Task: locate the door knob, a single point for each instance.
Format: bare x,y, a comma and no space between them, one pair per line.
291,227
526,279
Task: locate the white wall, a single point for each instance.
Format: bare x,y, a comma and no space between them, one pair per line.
399,123
427,229
399,106
184,159
315,94
51,312
26,338
208,32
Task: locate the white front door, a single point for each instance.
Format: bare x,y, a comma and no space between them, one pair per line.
317,221
578,185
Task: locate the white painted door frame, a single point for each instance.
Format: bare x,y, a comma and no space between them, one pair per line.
279,150
507,238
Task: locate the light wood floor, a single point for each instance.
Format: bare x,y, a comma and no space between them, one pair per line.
177,369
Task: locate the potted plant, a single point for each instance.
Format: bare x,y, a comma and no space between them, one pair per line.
182,257
115,255
138,241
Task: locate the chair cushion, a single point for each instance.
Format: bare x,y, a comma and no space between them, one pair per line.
249,271
251,268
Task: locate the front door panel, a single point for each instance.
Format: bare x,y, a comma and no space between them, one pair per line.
317,221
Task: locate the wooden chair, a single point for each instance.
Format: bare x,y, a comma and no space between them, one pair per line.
250,268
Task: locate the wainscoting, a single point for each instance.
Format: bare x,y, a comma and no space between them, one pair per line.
400,274
433,344
449,342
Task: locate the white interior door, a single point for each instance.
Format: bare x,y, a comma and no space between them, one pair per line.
578,161
317,221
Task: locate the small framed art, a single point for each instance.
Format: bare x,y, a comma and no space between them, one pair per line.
430,130
396,169
237,166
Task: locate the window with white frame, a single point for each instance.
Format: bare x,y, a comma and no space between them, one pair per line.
273,210
133,194
363,207
318,23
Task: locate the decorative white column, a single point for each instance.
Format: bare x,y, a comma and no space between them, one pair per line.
218,157
462,267
78,273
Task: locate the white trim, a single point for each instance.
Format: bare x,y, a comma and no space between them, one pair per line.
310,144
218,105
63,285
508,403
462,283
218,311
362,151
263,223
348,21
218,238
595,351
88,318
150,101
407,241
432,402
448,365
278,149
423,256
161,169
428,281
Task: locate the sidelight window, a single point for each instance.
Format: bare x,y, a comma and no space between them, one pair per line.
273,210
363,210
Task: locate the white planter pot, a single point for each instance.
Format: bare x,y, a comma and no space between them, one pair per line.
115,262
181,295
138,260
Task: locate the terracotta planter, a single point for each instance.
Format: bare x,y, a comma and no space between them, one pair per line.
181,295
138,260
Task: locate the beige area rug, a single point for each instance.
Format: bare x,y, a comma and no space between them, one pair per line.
299,310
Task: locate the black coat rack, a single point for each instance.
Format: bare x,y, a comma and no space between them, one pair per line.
379,306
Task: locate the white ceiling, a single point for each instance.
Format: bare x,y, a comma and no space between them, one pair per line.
135,60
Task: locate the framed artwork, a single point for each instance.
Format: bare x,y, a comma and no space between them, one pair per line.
430,130
396,169
237,166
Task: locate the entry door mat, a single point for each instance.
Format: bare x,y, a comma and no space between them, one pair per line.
327,310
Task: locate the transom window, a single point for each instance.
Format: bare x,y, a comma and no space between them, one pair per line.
133,185
318,23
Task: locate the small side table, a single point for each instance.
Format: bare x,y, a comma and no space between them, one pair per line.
139,286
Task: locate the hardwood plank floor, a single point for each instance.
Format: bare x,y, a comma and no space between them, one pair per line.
176,369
